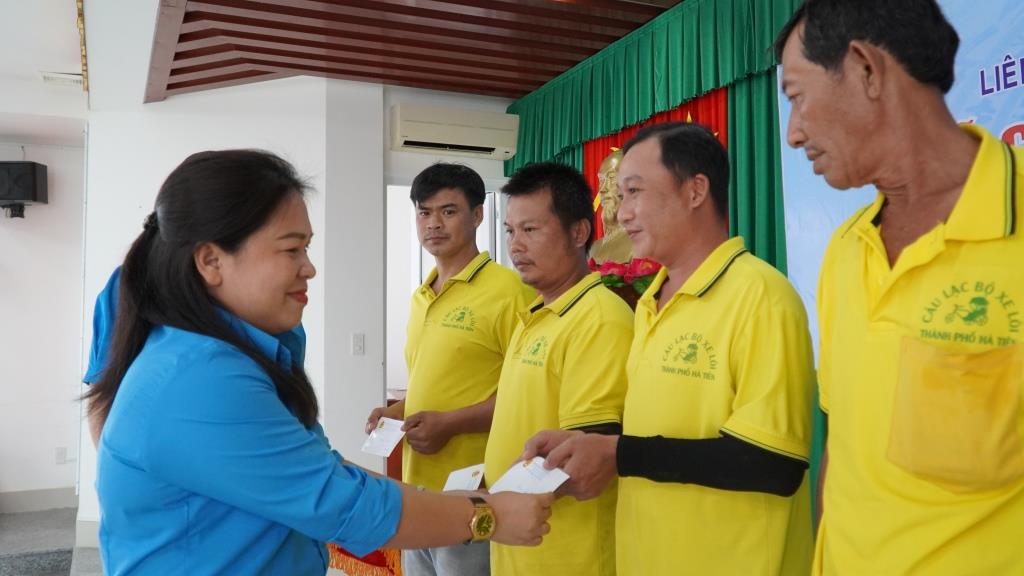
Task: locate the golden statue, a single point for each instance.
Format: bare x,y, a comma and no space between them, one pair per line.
614,245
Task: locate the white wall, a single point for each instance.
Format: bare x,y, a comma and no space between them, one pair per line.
354,267
40,258
40,315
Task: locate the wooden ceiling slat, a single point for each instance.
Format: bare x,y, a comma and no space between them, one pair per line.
494,15
228,67
402,18
461,82
523,85
265,43
508,50
501,48
210,64
242,74
625,22
462,68
265,67
216,71
543,65
649,7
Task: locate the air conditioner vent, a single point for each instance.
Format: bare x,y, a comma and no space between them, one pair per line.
61,79
454,132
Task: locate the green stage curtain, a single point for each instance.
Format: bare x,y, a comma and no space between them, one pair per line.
755,193
691,49
755,180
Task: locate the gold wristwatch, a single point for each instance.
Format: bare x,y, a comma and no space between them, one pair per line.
483,523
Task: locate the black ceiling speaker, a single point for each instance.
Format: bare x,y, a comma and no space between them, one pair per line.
22,183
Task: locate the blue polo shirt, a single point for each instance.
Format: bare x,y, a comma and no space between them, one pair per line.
103,316
202,470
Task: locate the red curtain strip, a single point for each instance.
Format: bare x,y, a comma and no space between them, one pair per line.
711,110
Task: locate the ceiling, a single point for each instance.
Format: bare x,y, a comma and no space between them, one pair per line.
39,36
36,37
490,47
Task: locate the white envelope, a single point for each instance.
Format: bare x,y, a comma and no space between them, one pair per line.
384,438
530,477
467,478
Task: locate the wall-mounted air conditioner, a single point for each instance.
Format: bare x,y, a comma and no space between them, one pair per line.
453,132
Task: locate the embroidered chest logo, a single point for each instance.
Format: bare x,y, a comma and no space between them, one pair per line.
690,355
536,352
460,318
972,313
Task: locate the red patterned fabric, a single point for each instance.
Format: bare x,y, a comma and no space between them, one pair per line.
711,110
383,562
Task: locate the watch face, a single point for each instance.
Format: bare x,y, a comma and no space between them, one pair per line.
484,526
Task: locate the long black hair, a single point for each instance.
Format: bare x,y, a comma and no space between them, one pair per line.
221,197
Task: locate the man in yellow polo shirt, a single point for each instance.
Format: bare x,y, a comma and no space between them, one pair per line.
565,367
460,324
716,429
919,300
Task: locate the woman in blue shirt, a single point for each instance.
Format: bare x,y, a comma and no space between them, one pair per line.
210,456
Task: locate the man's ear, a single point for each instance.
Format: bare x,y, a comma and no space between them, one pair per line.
868,64
478,215
697,190
207,258
580,232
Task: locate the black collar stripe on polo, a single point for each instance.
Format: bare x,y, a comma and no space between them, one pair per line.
477,270
721,272
571,303
856,219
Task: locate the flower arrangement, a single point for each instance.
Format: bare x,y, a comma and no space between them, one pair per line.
630,280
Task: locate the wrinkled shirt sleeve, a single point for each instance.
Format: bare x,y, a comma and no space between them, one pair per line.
224,433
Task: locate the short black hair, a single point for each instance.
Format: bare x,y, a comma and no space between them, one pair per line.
689,149
443,175
571,196
915,32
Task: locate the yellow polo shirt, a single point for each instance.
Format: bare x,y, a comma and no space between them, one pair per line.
728,354
455,346
566,369
921,375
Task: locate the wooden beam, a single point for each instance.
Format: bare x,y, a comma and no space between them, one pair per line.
545,9
397,60
314,37
169,18
564,40
348,65
373,13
